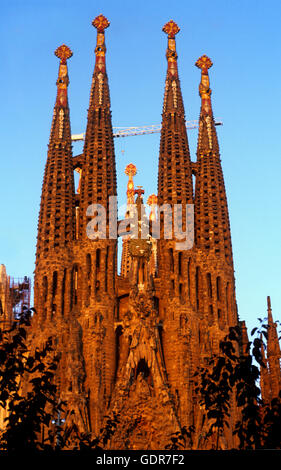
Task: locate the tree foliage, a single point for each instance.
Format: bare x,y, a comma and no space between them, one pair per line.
231,378
28,397
27,391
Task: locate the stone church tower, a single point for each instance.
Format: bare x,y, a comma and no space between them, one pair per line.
131,343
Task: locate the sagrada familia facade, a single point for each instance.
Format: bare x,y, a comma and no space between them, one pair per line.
130,343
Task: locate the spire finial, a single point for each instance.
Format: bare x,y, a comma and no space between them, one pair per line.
171,28
100,23
63,53
204,63
152,201
131,171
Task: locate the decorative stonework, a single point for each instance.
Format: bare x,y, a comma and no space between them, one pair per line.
204,63
131,344
63,53
171,29
100,23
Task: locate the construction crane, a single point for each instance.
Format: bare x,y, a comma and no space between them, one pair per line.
141,130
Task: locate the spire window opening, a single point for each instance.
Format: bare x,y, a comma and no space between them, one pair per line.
171,255
180,264
88,265
63,292
45,295
74,286
181,291
218,286
198,286
209,285
226,295
98,260
55,284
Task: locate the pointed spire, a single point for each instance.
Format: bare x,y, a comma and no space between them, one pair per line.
264,376
63,53
269,311
131,171
100,93
139,205
273,353
212,228
273,347
173,98
207,132
152,202
60,130
56,219
98,179
174,175
204,63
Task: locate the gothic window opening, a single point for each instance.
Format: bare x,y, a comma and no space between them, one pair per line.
141,272
77,222
63,292
88,276
198,286
143,369
106,268
218,288
44,296
55,284
209,285
88,265
98,260
181,291
45,289
97,287
74,286
180,264
171,254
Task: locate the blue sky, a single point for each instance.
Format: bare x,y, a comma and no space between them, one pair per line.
243,40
